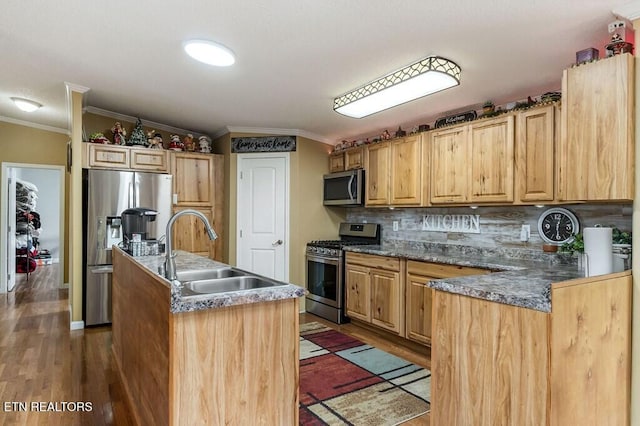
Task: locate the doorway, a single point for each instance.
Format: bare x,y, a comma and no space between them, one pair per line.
49,206
263,214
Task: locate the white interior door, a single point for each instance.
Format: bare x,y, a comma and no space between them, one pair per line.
11,229
263,214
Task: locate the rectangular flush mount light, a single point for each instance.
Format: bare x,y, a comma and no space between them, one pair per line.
427,76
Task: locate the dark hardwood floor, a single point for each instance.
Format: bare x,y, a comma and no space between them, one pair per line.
44,365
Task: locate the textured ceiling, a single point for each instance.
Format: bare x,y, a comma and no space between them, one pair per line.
293,57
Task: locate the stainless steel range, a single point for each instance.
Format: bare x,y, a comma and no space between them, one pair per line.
325,269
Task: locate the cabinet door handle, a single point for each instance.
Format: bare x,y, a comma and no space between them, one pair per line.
277,243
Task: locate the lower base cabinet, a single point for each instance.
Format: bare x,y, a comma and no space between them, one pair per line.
375,290
497,364
419,296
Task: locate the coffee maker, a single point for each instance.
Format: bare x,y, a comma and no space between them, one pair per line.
136,238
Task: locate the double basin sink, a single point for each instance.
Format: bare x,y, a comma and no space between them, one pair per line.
221,280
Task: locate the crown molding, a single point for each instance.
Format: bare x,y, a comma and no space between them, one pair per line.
132,119
72,87
35,125
630,11
277,131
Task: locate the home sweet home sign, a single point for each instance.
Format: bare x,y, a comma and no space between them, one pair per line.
263,144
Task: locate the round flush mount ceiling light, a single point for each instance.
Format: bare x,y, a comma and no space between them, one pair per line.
210,53
25,104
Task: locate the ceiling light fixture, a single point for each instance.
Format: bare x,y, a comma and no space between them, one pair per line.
429,75
25,104
210,53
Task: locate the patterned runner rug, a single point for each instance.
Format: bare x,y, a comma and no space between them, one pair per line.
345,382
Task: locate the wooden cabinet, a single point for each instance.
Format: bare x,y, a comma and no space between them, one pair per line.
352,158
106,156
149,159
406,171
394,172
418,305
596,146
449,165
198,183
492,160
193,179
117,157
473,163
494,363
336,162
377,164
535,154
374,290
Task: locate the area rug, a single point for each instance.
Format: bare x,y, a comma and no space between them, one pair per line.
346,382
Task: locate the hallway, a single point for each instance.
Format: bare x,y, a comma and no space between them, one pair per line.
41,361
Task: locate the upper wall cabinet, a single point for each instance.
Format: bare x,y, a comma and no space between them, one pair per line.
124,157
535,153
596,146
193,179
492,160
473,163
352,158
394,172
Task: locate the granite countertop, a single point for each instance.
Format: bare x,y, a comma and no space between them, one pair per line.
188,261
518,281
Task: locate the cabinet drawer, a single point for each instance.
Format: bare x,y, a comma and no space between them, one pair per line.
373,261
439,270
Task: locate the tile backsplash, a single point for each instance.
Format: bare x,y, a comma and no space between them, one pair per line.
499,226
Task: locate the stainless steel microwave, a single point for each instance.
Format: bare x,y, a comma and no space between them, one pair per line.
344,188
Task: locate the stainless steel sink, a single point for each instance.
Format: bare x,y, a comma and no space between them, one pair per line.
208,274
222,285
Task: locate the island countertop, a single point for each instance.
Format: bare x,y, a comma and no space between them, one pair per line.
188,261
522,282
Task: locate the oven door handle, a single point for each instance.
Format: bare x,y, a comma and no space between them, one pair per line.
320,259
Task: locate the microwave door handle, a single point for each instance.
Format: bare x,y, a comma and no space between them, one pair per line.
350,186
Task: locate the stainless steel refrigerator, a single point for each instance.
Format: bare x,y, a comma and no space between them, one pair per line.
106,193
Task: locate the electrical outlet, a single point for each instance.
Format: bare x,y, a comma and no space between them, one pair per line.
615,25
525,233
395,225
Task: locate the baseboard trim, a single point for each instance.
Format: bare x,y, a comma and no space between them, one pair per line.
77,325
66,285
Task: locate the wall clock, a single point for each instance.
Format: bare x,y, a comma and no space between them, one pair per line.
558,225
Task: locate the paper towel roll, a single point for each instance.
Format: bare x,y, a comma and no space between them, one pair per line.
598,248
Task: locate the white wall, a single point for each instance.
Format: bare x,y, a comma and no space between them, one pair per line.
48,205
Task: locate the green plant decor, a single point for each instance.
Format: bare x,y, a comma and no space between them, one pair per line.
621,237
574,246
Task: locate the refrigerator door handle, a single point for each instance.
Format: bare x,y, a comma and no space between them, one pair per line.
131,195
137,191
107,269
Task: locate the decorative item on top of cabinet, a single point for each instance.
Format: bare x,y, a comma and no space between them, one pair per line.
535,153
375,290
596,145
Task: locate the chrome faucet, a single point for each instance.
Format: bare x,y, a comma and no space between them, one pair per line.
170,263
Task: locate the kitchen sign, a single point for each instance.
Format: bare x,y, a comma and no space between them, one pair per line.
463,223
456,118
264,144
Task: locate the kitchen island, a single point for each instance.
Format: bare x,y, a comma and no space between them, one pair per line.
533,343
223,358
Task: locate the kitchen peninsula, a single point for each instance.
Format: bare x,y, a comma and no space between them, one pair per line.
223,358
533,343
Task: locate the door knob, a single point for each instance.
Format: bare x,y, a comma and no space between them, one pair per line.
277,243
